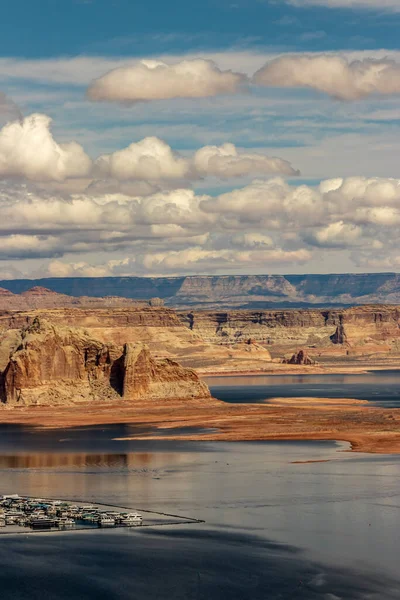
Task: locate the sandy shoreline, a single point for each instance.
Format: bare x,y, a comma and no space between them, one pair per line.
366,428
300,370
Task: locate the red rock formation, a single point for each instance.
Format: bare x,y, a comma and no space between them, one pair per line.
6,293
54,365
299,358
38,290
147,378
340,335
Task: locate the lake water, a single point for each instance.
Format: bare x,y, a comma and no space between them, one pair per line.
276,526
380,387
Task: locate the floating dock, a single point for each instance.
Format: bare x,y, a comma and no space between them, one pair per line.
19,513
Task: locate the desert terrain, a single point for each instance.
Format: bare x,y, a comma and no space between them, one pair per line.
71,364
368,429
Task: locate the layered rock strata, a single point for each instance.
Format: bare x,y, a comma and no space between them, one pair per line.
229,341
350,328
64,365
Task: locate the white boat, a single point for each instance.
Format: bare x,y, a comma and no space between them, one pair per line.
106,521
130,521
135,516
66,523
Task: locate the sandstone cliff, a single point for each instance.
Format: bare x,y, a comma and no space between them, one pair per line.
64,365
158,327
143,376
362,329
228,341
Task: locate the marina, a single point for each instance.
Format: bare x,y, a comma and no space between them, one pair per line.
21,513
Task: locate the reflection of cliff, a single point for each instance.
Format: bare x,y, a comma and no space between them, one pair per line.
139,461
61,365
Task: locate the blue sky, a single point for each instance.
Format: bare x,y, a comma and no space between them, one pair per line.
51,51
47,28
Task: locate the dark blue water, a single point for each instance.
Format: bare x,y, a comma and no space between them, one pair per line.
277,526
382,388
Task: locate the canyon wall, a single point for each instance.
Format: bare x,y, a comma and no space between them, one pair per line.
162,329
364,326
53,365
214,342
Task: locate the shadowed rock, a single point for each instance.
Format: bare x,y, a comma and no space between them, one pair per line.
299,358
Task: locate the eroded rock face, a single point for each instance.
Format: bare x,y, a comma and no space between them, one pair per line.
144,376
340,335
63,365
299,358
288,329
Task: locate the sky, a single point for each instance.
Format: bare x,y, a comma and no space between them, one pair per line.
199,137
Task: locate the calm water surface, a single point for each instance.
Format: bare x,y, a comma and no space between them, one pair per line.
380,387
277,526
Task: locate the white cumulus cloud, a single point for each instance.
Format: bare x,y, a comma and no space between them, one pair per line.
152,159
253,239
225,161
156,80
57,268
337,235
28,149
149,159
261,225
197,259
381,5
334,75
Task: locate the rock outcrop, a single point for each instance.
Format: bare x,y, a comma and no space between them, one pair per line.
144,376
340,335
62,365
299,358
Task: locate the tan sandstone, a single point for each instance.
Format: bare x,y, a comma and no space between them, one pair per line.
49,364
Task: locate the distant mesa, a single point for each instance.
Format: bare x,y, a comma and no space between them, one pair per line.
6,293
38,290
224,292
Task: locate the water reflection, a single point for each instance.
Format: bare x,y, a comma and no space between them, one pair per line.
75,460
380,387
337,510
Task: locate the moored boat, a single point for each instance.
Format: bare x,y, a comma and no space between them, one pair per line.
106,521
